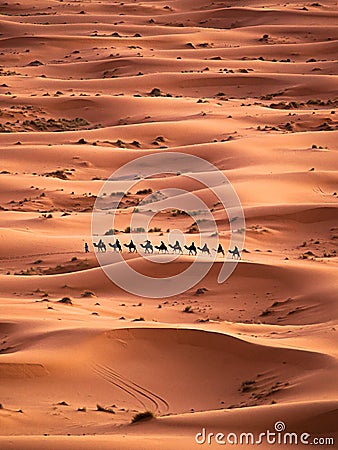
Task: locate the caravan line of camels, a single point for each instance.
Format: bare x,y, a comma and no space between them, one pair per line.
149,248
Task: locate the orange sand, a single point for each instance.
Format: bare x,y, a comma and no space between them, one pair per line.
262,109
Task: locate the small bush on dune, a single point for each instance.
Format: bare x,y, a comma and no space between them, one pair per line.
156,92
142,416
86,294
248,385
66,301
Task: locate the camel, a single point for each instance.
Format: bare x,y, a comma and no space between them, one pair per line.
162,248
131,246
204,249
219,249
116,246
176,247
101,246
235,252
148,247
192,249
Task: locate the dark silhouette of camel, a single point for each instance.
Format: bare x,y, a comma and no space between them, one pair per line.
235,252
204,249
176,247
219,249
148,247
101,246
116,246
131,246
162,248
192,249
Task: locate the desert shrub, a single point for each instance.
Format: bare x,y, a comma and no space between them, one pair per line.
155,230
139,230
247,385
66,301
87,294
142,416
156,92
110,232
144,191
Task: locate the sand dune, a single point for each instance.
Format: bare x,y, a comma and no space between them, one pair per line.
156,355
87,86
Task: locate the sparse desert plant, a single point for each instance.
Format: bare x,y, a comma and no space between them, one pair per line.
155,92
66,301
110,232
264,38
146,415
155,230
247,385
200,291
118,193
35,63
139,230
87,294
144,191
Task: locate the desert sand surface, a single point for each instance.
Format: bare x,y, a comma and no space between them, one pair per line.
87,86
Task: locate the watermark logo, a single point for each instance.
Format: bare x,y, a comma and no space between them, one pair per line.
201,245
280,426
278,436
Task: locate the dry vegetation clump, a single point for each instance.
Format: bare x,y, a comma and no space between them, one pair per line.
146,415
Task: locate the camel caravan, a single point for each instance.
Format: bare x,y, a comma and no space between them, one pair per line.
149,248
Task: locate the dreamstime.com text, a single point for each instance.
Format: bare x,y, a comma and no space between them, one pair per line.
279,437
